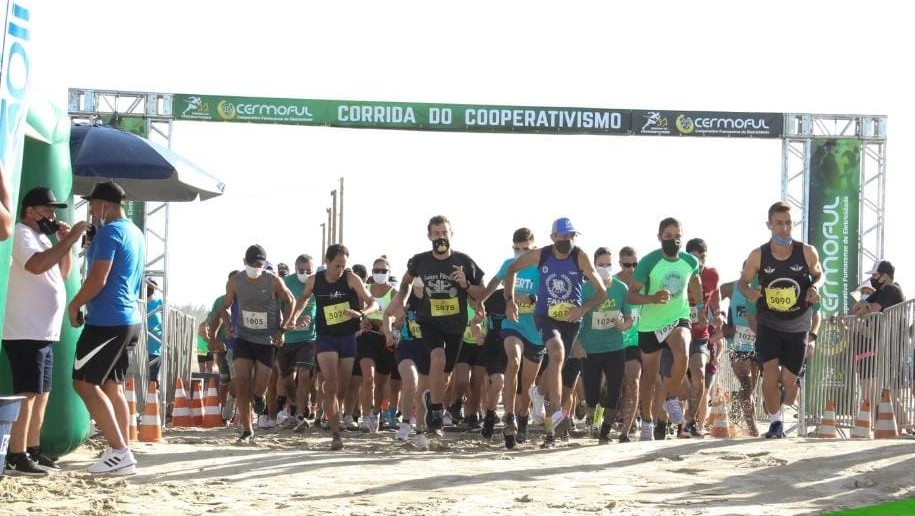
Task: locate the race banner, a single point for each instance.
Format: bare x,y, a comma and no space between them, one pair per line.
833,214
402,115
707,123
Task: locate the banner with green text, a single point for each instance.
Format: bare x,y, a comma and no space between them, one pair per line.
833,213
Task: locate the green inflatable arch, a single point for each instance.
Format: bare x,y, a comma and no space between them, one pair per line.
66,424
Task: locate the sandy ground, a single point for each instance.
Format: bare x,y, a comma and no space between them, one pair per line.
203,471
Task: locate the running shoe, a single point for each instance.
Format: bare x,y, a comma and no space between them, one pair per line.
473,422
489,423
246,437
403,432
521,434
22,464
44,462
374,423
604,437
264,421
509,426
349,423
447,419
561,422
647,432
228,409
548,442
682,432
281,417
539,411
301,424
422,443
624,438
660,431
436,420
115,462
336,442
776,430
509,441
674,411
694,430
456,410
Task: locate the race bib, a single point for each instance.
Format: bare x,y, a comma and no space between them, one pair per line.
605,320
744,337
781,299
336,314
665,332
414,329
254,320
444,307
525,308
560,311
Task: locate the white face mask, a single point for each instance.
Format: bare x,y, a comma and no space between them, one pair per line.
380,278
302,276
603,272
253,272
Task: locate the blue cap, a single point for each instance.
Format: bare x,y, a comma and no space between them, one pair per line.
563,227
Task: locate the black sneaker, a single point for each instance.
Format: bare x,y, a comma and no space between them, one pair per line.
694,430
548,442
44,461
521,434
660,430
22,464
473,422
604,437
509,441
456,415
776,430
489,423
436,421
245,437
624,438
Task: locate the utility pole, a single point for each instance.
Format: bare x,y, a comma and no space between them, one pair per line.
334,232
330,225
340,229
323,239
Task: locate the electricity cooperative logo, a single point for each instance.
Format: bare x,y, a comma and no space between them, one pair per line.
685,124
226,110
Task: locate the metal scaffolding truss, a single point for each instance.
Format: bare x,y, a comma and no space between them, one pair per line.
800,130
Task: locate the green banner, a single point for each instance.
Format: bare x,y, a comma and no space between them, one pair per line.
402,115
833,213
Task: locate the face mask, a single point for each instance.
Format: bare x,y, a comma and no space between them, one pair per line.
253,272
603,272
302,276
875,283
671,246
782,240
563,246
47,226
380,278
441,245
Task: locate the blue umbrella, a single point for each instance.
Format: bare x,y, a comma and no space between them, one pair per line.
146,170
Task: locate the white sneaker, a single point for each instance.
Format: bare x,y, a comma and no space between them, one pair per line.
300,424
348,422
228,408
539,409
282,416
421,442
374,423
647,431
115,462
674,411
403,432
264,421
447,420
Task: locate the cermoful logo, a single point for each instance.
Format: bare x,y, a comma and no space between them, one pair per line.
226,110
685,124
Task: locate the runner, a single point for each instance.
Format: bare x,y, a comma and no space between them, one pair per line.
558,311
701,349
789,277
342,302
222,342
448,277
494,361
601,338
376,360
628,261
469,372
296,358
659,284
259,331
740,332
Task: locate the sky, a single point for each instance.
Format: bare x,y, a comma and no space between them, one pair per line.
811,57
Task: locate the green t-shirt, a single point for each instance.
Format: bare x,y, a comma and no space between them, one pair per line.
308,334
599,331
202,346
657,273
217,307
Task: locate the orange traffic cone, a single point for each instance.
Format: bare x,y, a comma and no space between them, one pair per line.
827,428
151,425
720,428
197,401
130,392
885,427
212,414
862,429
181,414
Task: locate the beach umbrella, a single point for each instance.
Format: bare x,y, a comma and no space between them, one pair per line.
146,170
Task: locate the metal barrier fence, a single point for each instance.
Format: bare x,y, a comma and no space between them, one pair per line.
855,359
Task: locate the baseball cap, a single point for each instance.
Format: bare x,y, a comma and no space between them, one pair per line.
563,226
883,267
108,191
255,253
41,196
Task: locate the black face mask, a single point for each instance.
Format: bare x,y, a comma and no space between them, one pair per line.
671,247
876,284
441,245
47,226
563,246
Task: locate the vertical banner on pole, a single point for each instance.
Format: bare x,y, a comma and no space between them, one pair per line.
833,215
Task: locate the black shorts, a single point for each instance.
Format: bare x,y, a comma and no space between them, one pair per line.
372,346
493,355
697,346
31,365
648,340
470,354
435,338
343,345
789,348
551,328
101,353
530,351
247,350
295,355
203,359
416,351
633,353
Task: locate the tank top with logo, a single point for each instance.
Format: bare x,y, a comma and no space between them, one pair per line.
333,299
784,283
560,284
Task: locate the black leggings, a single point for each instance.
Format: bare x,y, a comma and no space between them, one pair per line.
611,365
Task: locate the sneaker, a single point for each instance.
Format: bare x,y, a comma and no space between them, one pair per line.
604,437
456,410
44,462
509,427
624,438
403,432
509,441
422,443
561,422
22,464
539,412
301,424
489,423
228,409
246,437
674,411
694,430
349,423
521,434
336,442
548,442
264,421
682,432
447,419
436,420
660,431
647,432
373,422
115,462
776,430
281,417
473,422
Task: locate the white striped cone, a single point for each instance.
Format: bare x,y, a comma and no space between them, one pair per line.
862,429
885,426
827,427
151,423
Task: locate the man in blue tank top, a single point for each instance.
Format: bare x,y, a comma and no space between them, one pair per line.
789,275
563,268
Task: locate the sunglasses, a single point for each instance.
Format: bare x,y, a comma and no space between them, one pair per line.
628,265
379,271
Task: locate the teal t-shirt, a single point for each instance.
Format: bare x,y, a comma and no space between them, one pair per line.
657,273
527,282
309,333
599,331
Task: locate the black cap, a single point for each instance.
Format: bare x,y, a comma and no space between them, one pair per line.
255,253
107,191
884,267
41,196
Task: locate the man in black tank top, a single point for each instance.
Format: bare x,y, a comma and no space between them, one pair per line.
789,277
